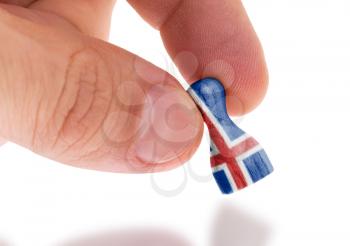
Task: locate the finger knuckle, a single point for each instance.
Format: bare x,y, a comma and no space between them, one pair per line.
83,103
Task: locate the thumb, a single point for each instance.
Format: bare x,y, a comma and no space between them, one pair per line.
87,103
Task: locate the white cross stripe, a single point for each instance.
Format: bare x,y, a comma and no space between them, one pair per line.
245,172
212,118
239,140
249,152
223,167
214,149
241,165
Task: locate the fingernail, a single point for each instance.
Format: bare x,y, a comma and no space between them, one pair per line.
173,124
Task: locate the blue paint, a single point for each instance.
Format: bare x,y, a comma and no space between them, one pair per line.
223,182
258,165
212,93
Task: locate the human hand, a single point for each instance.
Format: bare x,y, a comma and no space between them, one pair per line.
67,94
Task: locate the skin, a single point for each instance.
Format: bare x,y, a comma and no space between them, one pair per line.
68,94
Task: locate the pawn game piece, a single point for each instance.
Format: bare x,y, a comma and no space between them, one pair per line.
237,159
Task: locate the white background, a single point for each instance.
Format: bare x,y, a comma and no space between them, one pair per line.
303,124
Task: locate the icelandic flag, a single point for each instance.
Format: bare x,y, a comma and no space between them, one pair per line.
237,159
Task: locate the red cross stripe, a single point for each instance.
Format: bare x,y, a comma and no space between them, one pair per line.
228,156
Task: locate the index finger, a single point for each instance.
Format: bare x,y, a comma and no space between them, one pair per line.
212,39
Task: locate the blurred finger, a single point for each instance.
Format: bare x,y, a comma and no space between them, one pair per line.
92,17
84,102
212,39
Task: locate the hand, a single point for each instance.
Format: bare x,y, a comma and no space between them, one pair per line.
67,94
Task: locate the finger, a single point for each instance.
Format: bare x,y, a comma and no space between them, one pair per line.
92,17
23,3
212,39
78,12
84,102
